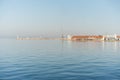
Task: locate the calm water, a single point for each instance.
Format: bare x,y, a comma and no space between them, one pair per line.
59,60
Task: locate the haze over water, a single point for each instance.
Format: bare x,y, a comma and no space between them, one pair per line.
59,60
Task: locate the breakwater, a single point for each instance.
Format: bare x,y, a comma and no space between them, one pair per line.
41,38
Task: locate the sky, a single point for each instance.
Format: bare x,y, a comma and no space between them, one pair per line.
56,17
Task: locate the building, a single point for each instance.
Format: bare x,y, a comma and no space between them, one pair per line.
95,37
118,37
110,37
87,37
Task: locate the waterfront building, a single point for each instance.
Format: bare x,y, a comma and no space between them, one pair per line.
87,37
69,37
95,37
118,37
110,37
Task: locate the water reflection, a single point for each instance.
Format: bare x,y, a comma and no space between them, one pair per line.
98,45
110,45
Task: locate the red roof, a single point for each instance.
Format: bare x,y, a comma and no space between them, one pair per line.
87,36
118,36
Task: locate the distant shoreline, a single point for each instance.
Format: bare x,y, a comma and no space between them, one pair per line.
109,38
68,39
41,39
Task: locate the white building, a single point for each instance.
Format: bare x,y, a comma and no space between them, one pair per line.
69,37
110,37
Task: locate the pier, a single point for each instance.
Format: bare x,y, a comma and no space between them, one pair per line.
36,38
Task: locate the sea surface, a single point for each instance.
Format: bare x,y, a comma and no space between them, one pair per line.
59,60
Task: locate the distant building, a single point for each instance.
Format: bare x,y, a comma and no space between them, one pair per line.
87,37
110,37
69,37
95,37
118,37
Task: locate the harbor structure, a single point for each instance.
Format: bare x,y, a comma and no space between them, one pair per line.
87,37
94,37
77,38
69,37
110,37
118,37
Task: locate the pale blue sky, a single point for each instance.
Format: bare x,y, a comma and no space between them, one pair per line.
52,17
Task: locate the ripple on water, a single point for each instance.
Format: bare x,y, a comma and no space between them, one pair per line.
50,60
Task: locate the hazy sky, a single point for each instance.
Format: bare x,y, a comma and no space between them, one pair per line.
53,17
